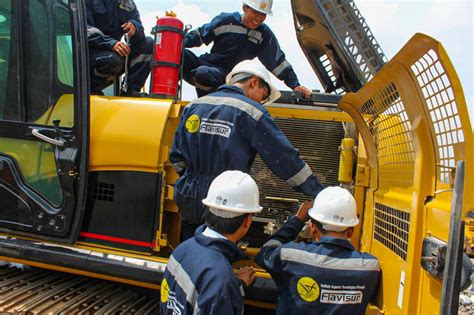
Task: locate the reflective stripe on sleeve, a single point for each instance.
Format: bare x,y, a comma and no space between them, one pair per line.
279,69
179,166
273,243
237,29
253,111
323,261
300,177
93,30
184,281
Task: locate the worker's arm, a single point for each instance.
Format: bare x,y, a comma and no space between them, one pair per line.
134,18
282,158
269,255
273,58
204,34
96,38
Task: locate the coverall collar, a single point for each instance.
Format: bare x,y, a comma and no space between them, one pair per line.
230,251
230,88
238,18
336,241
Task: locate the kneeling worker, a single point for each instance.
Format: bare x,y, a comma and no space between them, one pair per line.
199,276
326,276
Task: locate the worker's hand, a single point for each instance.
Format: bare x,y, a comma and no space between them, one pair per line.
247,275
302,213
129,28
121,48
303,89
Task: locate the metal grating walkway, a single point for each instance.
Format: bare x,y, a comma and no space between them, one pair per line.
39,291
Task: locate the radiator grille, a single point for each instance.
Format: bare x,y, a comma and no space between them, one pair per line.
391,229
318,143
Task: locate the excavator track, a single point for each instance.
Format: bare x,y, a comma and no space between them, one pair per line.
39,291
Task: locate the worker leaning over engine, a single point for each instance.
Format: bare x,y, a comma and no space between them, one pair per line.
326,276
236,38
107,22
224,131
199,278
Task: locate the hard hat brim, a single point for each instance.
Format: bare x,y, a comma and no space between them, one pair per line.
261,11
270,13
274,92
220,207
312,212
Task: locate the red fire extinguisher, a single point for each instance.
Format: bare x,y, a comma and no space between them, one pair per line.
167,56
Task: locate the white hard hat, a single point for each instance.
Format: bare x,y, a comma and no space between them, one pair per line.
335,208
231,194
254,67
264,6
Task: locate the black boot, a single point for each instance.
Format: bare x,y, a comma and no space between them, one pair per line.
133,93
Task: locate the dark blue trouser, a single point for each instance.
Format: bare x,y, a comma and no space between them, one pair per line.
106,64
206,79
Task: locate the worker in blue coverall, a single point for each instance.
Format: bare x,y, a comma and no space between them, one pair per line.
224,131
326,276
107,22
236,38
198,278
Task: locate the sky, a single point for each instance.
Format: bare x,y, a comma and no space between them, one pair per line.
392,22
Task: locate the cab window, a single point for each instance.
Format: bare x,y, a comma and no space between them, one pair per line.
36,84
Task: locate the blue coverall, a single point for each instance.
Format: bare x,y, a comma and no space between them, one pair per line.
233,43
325,277
104,20
199,279
224,131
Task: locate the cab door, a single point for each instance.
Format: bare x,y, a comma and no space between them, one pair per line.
44,117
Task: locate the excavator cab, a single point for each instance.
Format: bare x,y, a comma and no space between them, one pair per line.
43,119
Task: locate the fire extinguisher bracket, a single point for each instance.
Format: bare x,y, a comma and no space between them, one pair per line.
168,29
167,64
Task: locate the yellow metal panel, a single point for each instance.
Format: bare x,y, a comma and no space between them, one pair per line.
127,133
414,122
306,112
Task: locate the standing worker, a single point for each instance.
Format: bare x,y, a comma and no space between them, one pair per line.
224,131
236,38
107,22
199,278
327,276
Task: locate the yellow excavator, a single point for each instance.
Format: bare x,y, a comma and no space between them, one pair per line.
86,187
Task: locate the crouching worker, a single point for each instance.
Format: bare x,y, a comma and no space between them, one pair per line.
326,276
199,276
107,22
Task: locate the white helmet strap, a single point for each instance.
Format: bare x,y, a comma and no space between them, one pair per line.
224,213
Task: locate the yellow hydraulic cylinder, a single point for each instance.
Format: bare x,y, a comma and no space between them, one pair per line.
346,161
